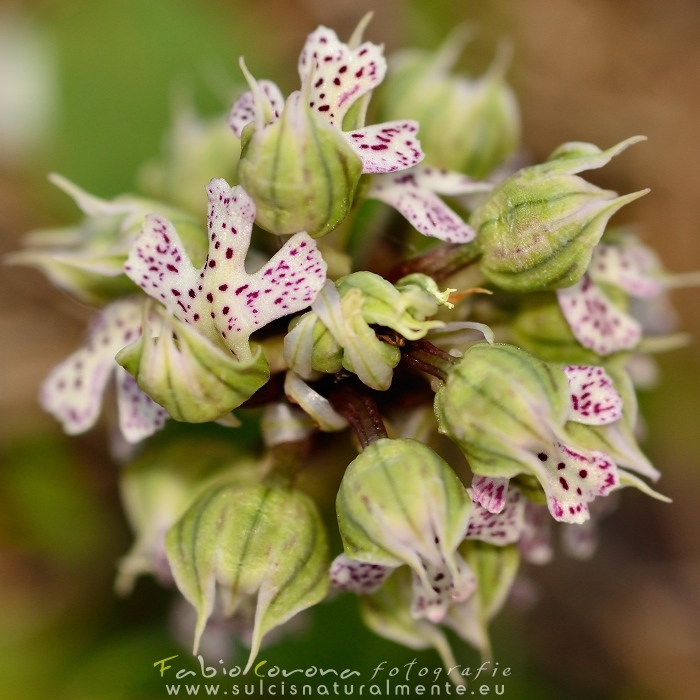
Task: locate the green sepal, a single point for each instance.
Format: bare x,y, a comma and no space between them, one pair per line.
401,503
193,379
538,228
299,171
239,541
495,569
498,403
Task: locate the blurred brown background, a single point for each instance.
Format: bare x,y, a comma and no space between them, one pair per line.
627,623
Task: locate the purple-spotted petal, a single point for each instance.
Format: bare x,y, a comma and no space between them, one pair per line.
336,76
502,528
571,479
73,391
594,400
490,493
595,321
536,541
358,576
439,588
221,298
423,208
159,265
630,267
139,415
386,147
243,110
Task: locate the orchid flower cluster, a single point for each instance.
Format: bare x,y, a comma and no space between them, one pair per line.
406,280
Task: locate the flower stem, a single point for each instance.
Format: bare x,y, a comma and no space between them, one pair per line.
439,263
361,411
423,355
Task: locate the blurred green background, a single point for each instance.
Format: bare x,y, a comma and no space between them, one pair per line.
87,89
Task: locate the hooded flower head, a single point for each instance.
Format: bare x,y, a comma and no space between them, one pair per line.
239,542
508,413
400,503
301,160
538,227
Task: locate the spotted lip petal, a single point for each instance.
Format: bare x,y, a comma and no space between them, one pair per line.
502,528
74,389
221,299
337,76
490,493
571,479
440,587
386,147
594,400
595,321
413,194
358,577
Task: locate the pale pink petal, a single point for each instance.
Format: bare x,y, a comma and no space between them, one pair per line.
536,541
336,76
424,209
571,479
243,110
358,576
594,400
158,264
490,493
386,147
595,321
139,415
500,528
73,391
629,267
441,588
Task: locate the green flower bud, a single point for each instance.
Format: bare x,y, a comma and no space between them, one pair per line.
158,487
335,335
404,307
470,126
400,503
195,380
299,170
87,260
250,541
498,404
537,229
